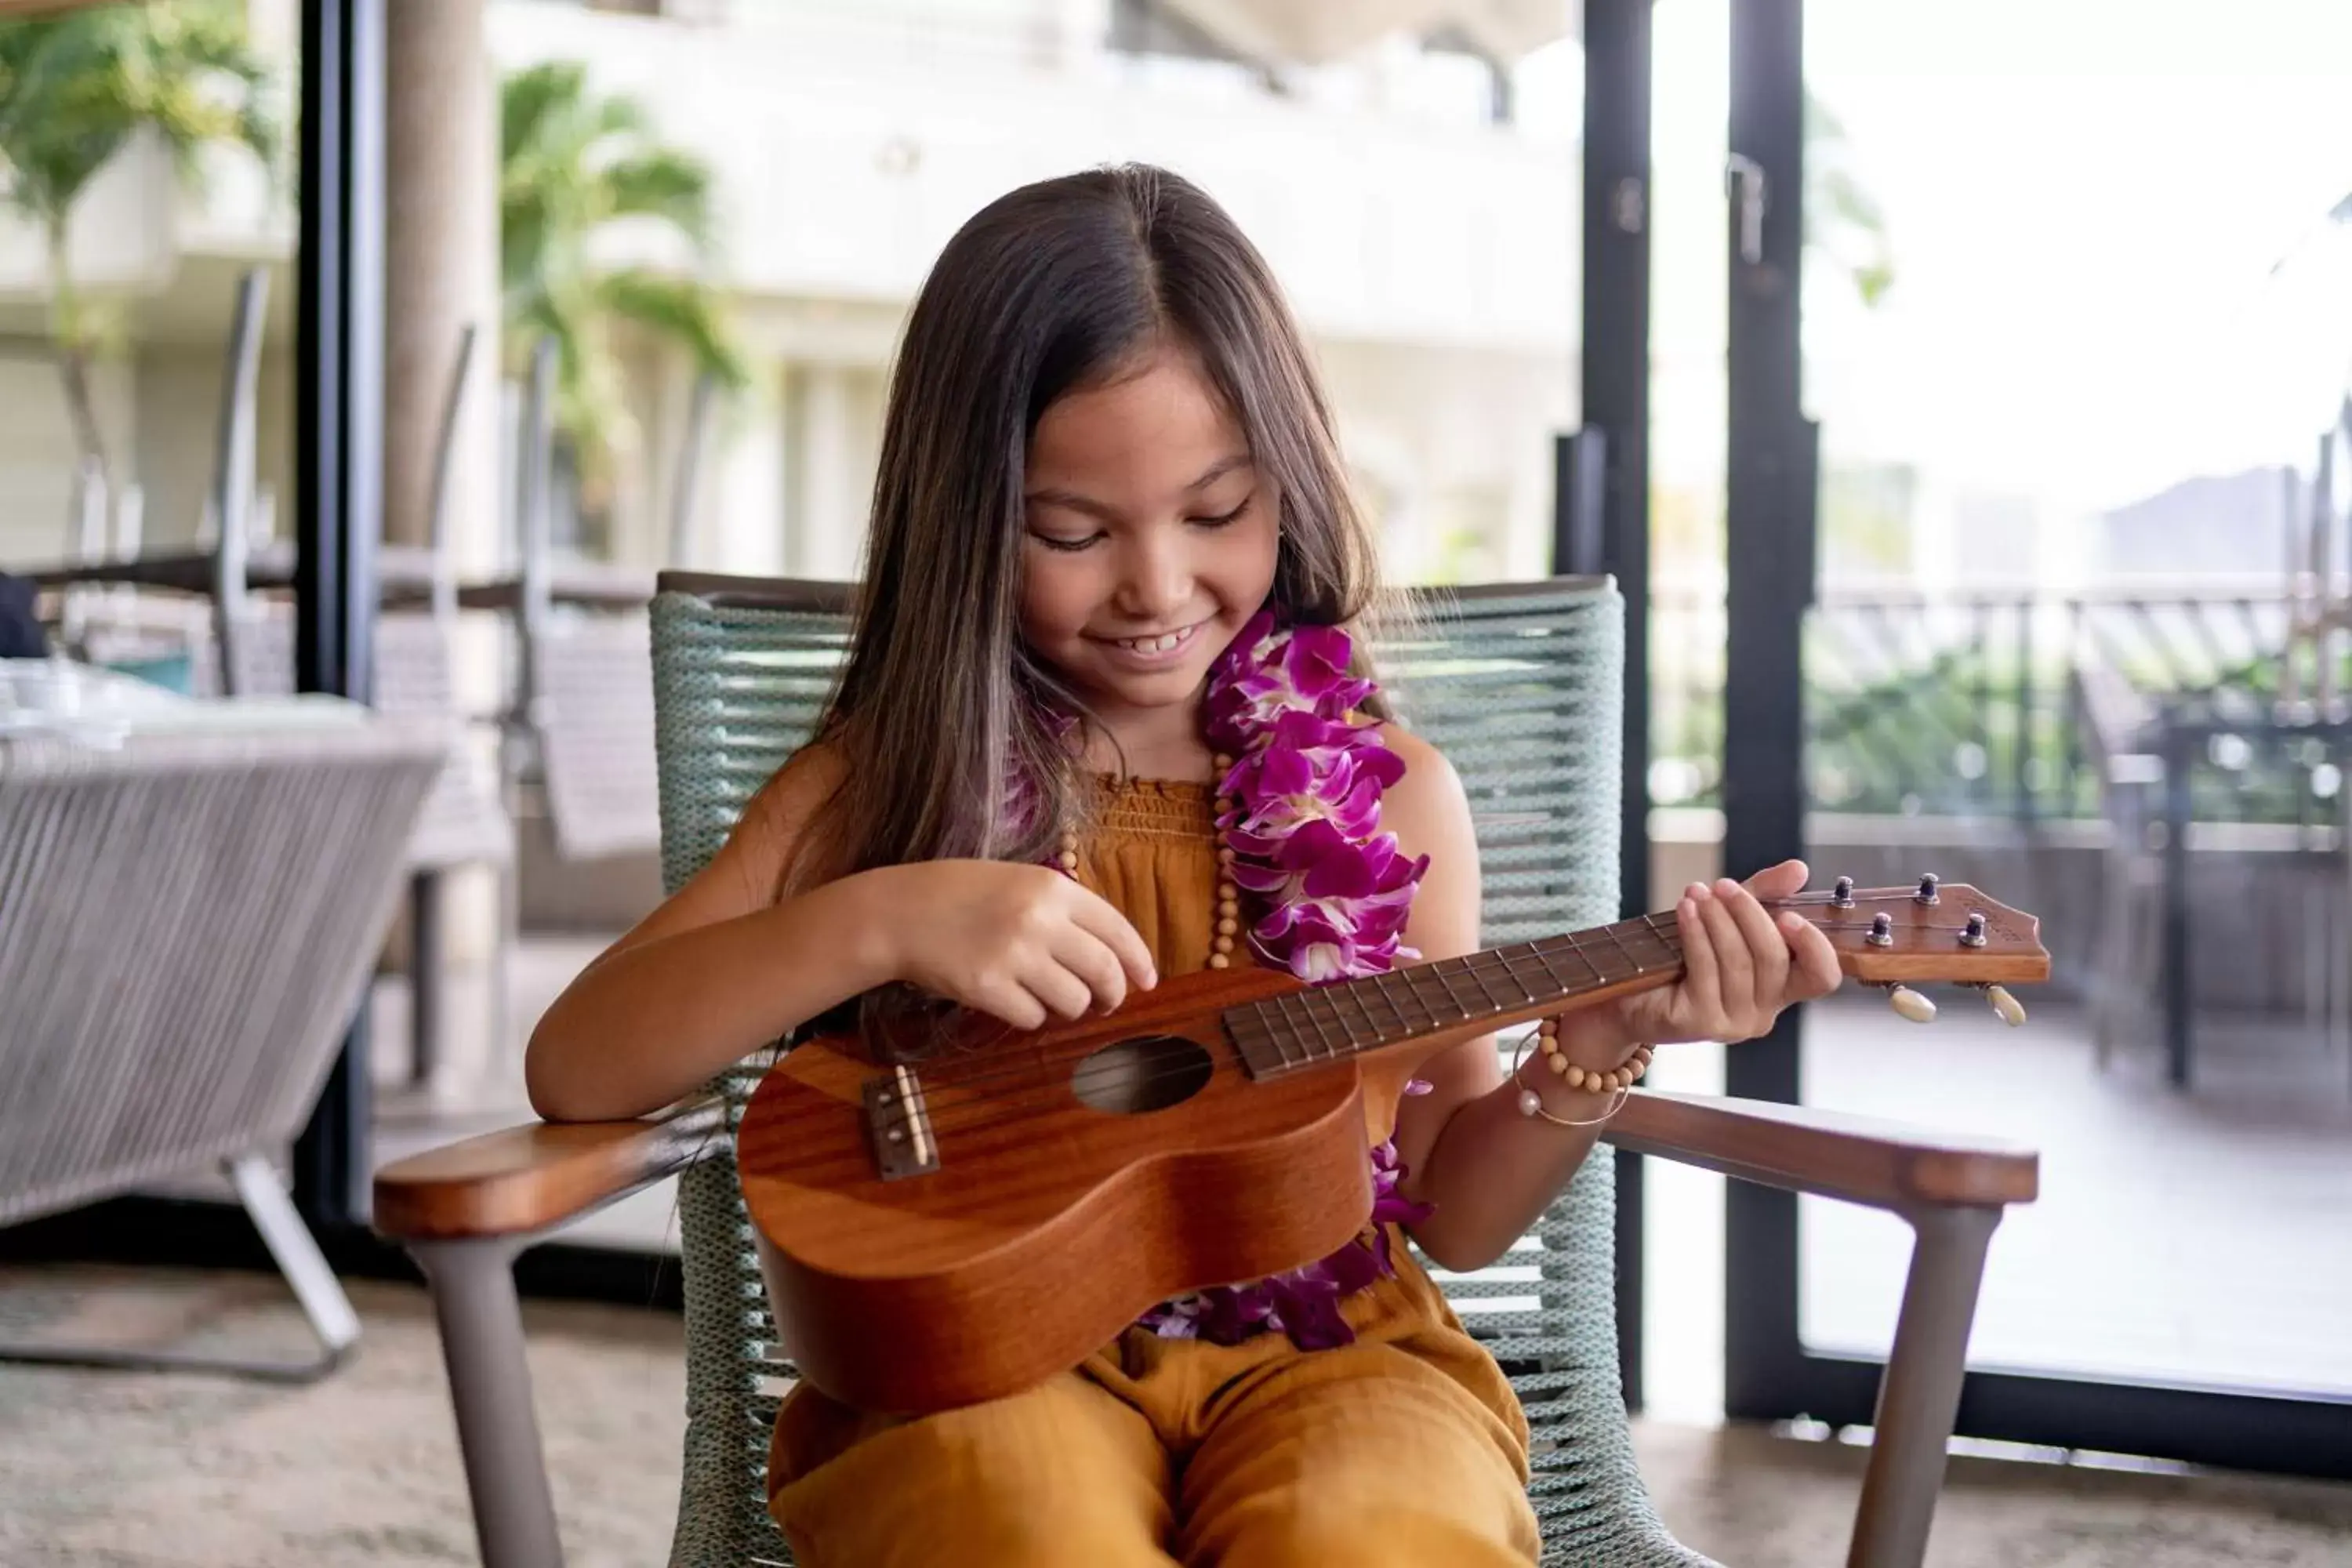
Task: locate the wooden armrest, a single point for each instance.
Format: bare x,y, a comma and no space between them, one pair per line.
1861,1159
525,1179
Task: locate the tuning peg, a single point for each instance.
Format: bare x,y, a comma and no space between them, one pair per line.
1911,1004
2012,1011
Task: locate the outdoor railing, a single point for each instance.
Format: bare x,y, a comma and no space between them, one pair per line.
1971,704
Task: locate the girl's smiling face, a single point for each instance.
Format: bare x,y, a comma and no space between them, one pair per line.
1151,541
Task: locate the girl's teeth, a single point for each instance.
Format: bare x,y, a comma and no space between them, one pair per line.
1159,644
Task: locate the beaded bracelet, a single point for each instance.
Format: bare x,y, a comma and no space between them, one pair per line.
1621,1081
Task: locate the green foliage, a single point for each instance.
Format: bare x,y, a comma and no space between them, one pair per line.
1844,221
75,90
574,165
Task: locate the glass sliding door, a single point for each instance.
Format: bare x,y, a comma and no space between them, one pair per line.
2044,607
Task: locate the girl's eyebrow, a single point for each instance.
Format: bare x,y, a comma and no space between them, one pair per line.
1049,495
1219,469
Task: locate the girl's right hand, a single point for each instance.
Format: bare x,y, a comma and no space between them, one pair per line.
1023,943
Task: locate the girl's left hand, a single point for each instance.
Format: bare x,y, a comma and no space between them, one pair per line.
1741,964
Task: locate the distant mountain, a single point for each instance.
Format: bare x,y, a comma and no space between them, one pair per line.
2229,525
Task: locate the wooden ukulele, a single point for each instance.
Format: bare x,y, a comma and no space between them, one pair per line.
959,1230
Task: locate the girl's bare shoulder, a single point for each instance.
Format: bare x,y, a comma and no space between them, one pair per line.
778,816
1431,791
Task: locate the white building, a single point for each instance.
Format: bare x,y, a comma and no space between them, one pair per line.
1427,241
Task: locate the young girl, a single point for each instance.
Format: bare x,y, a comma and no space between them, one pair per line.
1101,722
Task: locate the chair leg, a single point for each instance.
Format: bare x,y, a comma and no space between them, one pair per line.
489,1384
1920,1396
297,1252
321,1295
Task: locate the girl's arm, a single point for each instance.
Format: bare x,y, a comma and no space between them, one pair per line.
718,971
1487,1171
722,969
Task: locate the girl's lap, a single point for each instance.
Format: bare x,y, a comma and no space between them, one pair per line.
1404,1447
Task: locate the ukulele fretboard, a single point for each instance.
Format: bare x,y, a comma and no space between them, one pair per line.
1323,1023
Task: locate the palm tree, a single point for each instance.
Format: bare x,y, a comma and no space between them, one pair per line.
573,167
74,90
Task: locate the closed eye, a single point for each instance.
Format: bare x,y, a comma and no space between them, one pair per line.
1223,518
1052,542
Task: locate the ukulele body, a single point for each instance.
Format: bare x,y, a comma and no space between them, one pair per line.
1049,1224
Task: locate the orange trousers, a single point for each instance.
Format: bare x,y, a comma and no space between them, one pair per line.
1406,1447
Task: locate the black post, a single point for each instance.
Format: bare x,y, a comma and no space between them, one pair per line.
2180,809
1769,545
1602,503
1982,638
339,400
2029,710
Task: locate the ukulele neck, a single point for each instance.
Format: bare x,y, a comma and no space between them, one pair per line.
1488,990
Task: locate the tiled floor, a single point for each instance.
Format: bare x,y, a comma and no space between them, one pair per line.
2203,1238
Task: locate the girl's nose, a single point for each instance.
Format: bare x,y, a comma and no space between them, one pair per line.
1155,578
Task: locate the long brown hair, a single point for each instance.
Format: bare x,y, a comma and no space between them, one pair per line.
940,715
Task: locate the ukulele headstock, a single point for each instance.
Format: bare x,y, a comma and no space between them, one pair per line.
1930,931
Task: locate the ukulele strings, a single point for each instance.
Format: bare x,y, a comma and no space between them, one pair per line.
993,1068
1039,1087
1492,961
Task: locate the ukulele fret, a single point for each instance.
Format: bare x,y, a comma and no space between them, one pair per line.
1616,937
1372,1032
1333,1048
1593,978
1609,964
1441,974
1668,937
1320,1042
1542,952
1260,1038
1278,1033
1526,994
1495,1004
1381,989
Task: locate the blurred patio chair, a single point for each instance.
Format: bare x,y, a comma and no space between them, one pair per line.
191,901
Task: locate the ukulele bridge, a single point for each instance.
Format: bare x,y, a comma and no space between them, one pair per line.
899,1124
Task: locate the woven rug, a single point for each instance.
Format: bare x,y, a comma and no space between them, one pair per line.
140,1470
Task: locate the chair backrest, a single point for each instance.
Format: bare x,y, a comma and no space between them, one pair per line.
592,710
187,919
1520,685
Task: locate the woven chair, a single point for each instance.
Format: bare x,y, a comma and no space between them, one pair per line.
580,723
1521,686
188,916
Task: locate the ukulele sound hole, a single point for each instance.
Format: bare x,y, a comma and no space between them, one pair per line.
1149,1072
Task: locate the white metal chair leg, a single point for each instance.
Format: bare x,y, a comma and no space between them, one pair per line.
321,1295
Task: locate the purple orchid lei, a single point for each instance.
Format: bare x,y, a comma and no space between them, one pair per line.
1304,825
